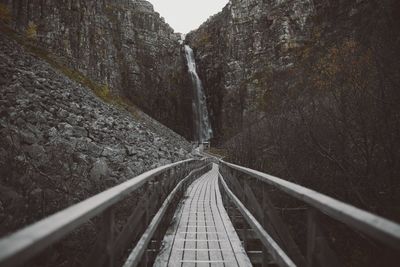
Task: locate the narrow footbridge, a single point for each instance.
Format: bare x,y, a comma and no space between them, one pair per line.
202,212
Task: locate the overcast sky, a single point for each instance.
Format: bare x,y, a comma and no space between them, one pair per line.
186,15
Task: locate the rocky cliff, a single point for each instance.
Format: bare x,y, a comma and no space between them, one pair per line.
60,143
240,50
124,45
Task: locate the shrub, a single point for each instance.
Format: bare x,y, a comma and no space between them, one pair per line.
104,92
31,30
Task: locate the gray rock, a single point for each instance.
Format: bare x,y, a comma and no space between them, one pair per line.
11,198
37,153
28,137
62,113
182,152
99,170
52,132
94,149
130,150
79,131
65,129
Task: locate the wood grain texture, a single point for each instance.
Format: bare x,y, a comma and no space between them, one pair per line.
202,234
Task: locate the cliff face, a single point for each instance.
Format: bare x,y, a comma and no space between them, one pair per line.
124,45
61,144
251,41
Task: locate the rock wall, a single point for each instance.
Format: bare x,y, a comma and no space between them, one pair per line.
249,41
60,144
123,44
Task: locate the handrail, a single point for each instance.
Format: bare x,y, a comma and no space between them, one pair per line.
28,242
276,252
136,254
380,228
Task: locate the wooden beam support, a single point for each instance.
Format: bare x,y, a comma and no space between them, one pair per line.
381,229
276,252
103,251
319,252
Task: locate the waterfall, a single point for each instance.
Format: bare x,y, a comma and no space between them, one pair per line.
199,104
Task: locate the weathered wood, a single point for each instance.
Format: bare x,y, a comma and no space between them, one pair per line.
135,256
311,237
280,231
239,252
202,234
237,187
103,252
253,202
272,221
127,233
276,252
108,222
28,242
247,233
319,252
386,231
256,257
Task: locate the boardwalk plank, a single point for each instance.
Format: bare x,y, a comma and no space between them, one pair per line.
204,236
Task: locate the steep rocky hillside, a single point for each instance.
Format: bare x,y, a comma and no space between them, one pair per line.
122,44
60,143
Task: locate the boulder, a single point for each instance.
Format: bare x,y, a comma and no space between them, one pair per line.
99,170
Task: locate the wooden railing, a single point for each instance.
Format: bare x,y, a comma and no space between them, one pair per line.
256,208
163,186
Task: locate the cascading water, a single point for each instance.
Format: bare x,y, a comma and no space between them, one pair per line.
199,104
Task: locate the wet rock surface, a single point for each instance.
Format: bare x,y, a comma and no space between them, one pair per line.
60,144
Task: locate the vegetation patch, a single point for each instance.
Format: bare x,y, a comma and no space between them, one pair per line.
5,14
31,30
203,39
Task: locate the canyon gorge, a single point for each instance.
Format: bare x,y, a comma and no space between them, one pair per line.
95,92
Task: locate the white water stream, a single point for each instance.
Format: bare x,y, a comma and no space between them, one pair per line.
199,104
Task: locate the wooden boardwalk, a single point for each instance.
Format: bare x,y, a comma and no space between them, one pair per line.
201,233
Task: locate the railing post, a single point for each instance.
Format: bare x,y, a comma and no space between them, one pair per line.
103,252
145,258
108,224
311,236
319,252
265,254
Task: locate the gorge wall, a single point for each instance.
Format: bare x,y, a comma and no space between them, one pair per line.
123,45
250,43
